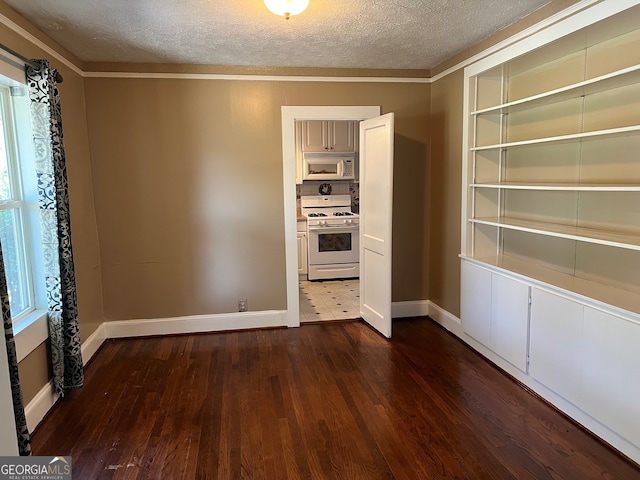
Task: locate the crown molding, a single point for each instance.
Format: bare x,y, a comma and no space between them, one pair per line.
547,22
10,24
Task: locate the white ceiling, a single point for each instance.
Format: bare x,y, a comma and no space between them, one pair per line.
388,34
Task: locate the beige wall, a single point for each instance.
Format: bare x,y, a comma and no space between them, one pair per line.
189,195
446,191
34,370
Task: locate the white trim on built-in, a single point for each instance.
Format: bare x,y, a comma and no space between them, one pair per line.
289,117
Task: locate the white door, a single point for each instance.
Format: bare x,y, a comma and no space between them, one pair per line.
376,201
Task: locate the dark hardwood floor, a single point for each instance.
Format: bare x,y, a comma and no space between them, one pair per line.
324,401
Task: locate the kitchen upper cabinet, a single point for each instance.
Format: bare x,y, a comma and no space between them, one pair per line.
329,136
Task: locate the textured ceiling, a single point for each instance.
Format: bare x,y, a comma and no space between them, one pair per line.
387,34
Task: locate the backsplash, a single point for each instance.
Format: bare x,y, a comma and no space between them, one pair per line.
337,188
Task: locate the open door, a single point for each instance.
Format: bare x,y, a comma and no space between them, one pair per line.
376,201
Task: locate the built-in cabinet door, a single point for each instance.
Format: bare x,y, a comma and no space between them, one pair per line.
556,343
510,319
590,358
494,311
611,372
475,306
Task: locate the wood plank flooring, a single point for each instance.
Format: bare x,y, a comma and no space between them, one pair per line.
324,401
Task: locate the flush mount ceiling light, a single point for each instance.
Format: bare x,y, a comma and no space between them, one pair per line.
286,8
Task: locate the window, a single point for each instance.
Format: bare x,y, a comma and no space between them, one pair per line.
12,214
19,214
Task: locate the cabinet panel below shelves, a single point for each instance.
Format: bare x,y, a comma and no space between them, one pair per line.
610,368
556,344
607,287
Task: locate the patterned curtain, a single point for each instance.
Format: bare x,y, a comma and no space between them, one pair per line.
51,170
24,439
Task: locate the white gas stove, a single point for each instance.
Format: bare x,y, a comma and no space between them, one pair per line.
332,237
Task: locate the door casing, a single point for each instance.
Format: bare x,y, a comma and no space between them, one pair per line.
289,116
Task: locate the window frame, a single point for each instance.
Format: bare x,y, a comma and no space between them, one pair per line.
30,327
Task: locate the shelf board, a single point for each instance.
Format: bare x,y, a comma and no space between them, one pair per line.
562,138
584,187
628,300
619,78
601,237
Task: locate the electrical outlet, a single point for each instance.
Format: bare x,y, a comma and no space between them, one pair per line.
242,305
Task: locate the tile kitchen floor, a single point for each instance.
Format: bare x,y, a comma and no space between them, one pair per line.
329,300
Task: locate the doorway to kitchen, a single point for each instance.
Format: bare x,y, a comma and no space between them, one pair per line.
296,297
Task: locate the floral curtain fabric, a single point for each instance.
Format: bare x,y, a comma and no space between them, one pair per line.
22,432
51,170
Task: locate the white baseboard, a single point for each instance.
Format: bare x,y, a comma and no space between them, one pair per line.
195,324
93,343
417,308
446,319
38,407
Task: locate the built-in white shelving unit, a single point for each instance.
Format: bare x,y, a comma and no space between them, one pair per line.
551,200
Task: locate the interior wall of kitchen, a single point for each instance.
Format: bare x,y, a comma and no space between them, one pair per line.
189,195
34,369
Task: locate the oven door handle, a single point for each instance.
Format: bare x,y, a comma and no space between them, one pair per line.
345,229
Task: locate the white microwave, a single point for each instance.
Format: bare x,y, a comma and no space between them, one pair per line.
328,167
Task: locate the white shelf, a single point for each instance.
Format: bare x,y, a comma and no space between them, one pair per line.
626,300
563,187
590,235
562,138
620,78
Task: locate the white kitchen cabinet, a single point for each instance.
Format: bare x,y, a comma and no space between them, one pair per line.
329,136
302,248
495,312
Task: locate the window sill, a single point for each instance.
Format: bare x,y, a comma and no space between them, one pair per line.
29,332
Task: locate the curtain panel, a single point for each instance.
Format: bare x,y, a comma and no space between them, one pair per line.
51,171
22,432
